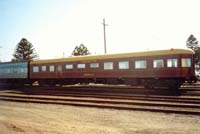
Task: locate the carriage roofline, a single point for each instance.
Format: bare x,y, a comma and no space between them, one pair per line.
113,56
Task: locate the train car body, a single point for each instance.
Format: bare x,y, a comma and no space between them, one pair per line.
14,72
168,68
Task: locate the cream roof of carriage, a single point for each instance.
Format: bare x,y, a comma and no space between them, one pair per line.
113,56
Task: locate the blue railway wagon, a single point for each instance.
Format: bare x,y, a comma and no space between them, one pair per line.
13,70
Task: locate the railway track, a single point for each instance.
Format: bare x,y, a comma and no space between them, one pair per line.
96,98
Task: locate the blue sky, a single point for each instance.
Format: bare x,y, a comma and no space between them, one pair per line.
55,27
23,18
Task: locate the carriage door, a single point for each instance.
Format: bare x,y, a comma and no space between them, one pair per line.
59,70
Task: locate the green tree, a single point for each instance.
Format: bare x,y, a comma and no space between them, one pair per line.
80,50
192,43
24,51
197,55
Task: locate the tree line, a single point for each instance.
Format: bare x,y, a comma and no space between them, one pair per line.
26,52
193,44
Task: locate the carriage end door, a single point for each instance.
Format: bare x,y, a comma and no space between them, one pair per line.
59,70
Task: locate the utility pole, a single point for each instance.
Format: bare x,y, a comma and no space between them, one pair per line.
104,31
63,54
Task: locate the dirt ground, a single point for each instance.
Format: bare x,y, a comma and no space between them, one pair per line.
17,118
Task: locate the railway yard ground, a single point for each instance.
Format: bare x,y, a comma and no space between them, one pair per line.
99,110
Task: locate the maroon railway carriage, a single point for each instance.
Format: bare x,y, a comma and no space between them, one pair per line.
163,68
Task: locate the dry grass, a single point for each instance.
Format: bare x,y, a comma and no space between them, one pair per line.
17,118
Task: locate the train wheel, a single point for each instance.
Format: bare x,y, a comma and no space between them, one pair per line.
149,84
175,84
42,83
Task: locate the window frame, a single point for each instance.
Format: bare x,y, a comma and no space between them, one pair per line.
52,68
105,67
81,66
94,67
122,63
69,66
186,65
35,69
44,68
173,64
156,65
141,61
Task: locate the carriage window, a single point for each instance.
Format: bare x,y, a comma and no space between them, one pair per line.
21,70
141,64
44,68
7,71
94,65
186,62
35,69
69,66
158,63
124,65
51,68
108,65
80,66
172,62
14,70
24,70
